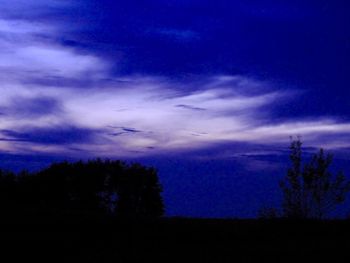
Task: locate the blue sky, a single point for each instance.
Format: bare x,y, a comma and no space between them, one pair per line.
193,87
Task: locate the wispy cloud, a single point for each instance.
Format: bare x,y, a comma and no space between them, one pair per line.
146,112
29,52
58,99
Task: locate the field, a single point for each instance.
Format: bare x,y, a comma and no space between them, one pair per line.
177,240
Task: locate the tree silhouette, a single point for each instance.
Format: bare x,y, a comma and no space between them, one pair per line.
93,188
7,191
312,190
138,192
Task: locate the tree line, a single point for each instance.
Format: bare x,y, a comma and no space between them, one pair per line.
115,189
93,188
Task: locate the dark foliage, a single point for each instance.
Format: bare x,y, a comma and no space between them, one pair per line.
84,189
312,190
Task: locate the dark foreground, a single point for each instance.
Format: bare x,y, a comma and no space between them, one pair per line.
176,240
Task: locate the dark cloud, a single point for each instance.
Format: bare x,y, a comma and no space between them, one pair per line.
51,136
130,130
123,130
20,107
189,107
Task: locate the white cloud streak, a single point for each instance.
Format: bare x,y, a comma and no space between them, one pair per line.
27,52
135,115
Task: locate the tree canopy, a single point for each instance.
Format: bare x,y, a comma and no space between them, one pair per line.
96,187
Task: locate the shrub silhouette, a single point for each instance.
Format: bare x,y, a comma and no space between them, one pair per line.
107,188
312,191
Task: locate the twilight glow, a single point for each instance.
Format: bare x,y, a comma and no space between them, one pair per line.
97,78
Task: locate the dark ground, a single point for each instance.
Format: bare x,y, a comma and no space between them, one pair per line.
176,240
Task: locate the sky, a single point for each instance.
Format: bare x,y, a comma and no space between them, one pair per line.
209,92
